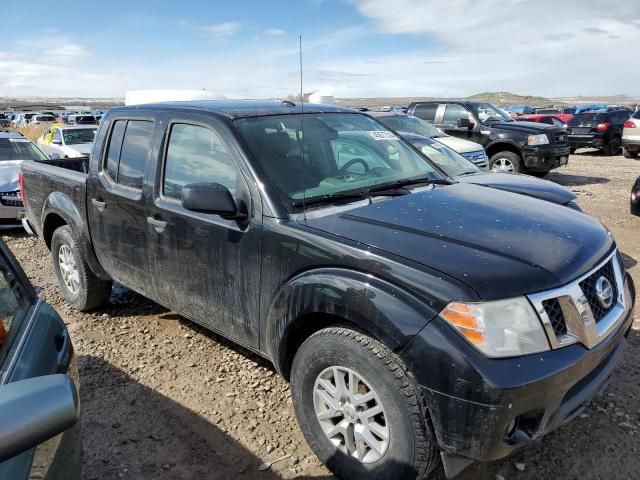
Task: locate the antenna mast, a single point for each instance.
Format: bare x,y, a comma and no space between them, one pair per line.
304,188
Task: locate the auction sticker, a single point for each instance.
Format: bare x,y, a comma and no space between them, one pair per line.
382,135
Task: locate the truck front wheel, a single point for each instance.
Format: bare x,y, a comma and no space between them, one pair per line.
506,162
359,409
79,286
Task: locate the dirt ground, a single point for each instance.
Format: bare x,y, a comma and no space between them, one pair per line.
164,399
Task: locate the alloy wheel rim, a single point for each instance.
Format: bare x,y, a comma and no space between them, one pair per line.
502,165
351,414
68,269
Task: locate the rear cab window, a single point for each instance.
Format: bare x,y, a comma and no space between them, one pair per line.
127,152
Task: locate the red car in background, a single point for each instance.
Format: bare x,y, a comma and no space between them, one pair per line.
557,119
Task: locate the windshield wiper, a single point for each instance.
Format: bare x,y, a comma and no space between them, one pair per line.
398,184
364,194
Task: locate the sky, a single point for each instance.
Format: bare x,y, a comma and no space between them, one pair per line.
351,48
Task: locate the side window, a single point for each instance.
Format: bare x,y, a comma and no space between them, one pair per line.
426,111
113,152
129,147
13,305
452,113
196,154
57,135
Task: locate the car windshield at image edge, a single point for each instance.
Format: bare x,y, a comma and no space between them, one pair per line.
410,124
19,149
343,153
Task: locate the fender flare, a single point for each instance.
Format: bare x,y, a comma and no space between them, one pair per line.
504,141
57,203
306,301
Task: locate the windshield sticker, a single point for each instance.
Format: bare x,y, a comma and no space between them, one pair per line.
19,140
383,135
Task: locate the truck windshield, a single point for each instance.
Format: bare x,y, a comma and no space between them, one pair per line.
343,153
488,114
77,136
19,149
410,124
446,158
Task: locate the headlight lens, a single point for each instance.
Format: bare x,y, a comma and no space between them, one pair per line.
541,139
506,328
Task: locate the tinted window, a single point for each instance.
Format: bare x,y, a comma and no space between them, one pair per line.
13,305
411,124
115,143
426,111
194,155
637,114
134,151
19,149
452,113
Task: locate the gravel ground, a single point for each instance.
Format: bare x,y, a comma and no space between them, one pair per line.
165,399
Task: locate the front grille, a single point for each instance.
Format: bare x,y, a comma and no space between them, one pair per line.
588,286
10,199
560,138
556,316
479,157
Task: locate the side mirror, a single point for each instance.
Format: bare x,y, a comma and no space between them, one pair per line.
464,123
55,141
54,156
211,198
33,411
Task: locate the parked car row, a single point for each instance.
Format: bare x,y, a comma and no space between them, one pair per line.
377,284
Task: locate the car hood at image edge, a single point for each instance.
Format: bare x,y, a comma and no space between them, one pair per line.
501,244
522,184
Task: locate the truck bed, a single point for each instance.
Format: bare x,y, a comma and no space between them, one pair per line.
54,182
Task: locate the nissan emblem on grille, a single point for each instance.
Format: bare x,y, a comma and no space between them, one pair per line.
604,292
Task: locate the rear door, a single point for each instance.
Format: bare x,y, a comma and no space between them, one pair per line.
116,201
204,266
34,342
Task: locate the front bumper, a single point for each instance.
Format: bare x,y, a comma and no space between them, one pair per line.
483,409
545,157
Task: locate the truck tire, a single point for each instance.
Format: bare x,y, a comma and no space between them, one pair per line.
628,153
79,286
373,379
613,147
506,162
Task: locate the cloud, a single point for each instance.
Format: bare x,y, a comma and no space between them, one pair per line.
67,50
274,31
220,30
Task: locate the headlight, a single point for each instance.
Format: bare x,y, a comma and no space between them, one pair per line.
541,139
506,328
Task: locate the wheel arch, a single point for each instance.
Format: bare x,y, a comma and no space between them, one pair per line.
59,210
327,297
501,146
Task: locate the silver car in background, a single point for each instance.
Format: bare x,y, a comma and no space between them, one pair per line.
14,149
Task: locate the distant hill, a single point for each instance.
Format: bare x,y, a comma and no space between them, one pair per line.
508,98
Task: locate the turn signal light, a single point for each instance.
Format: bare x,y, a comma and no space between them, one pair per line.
462,318
629,124
20,186
603,127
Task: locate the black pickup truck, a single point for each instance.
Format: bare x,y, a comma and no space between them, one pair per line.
417,319
512,146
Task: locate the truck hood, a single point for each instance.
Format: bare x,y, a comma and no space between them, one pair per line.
522,184
460,145
500,244
9,170
526,127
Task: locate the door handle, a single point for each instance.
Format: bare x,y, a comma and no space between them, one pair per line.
159,225
98,204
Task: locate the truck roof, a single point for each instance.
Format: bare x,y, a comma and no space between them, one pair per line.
239,108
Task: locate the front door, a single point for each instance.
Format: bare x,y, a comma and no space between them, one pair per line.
34,342
116,203
204,267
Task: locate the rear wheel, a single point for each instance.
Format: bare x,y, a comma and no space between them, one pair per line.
628,153
613,148
359,409
79,286
505,162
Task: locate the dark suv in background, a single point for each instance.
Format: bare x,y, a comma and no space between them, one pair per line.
599,129
512,146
